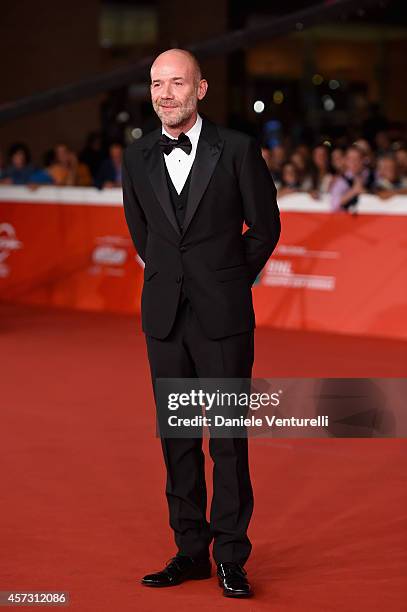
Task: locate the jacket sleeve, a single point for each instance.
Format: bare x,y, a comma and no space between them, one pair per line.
134,214
261,211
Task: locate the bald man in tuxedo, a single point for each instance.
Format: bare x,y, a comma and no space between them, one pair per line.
188,187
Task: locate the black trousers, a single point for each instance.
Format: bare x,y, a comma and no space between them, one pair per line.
188,353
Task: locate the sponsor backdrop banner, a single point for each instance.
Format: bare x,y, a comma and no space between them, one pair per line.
72,256
330,272
337,272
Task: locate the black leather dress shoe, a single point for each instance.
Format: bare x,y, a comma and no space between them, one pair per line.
232,578
177,570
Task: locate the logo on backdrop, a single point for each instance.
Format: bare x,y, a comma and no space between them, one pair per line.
280,272
8,244
110,255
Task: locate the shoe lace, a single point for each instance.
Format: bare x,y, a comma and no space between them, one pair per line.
173,562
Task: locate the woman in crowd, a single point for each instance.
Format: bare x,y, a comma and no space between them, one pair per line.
290,180
369,158
65,169
321,172
338,161
19,169
303,171
110,172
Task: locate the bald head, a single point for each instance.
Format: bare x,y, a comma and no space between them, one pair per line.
176,87
180,57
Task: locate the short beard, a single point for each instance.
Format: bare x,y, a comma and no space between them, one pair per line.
181,113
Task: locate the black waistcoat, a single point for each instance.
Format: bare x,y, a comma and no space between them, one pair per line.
179,200
179,203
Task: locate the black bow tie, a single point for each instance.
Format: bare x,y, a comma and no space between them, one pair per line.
168,144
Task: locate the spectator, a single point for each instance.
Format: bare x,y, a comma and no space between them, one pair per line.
388,182
92,154
383,142
355,180
300,162
365,147
369,157
401,158
321,172
338,161
290,180
65,169
277,159
110,173
19,169
305,151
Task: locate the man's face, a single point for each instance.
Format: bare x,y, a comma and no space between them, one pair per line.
175,88
290,176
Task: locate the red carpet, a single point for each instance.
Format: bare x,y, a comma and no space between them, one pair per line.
83,480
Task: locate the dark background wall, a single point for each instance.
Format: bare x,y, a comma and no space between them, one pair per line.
178,28
44,44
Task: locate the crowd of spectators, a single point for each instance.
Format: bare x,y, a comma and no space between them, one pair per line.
340,173
63,167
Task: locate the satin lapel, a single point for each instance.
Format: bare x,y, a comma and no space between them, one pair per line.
207,156
156,173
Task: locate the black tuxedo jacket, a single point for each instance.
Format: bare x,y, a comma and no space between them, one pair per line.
230,183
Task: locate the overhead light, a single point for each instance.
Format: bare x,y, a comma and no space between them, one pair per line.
278,97
258,106
136,133
122,117
328,103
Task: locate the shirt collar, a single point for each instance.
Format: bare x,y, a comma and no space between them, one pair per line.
192,133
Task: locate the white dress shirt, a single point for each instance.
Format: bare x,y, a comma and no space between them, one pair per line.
180,163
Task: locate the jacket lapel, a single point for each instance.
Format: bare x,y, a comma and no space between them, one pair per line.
156,173
207,156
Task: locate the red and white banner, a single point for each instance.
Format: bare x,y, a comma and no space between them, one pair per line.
330,272
335,272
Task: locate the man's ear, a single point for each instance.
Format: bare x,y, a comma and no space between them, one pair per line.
202,88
